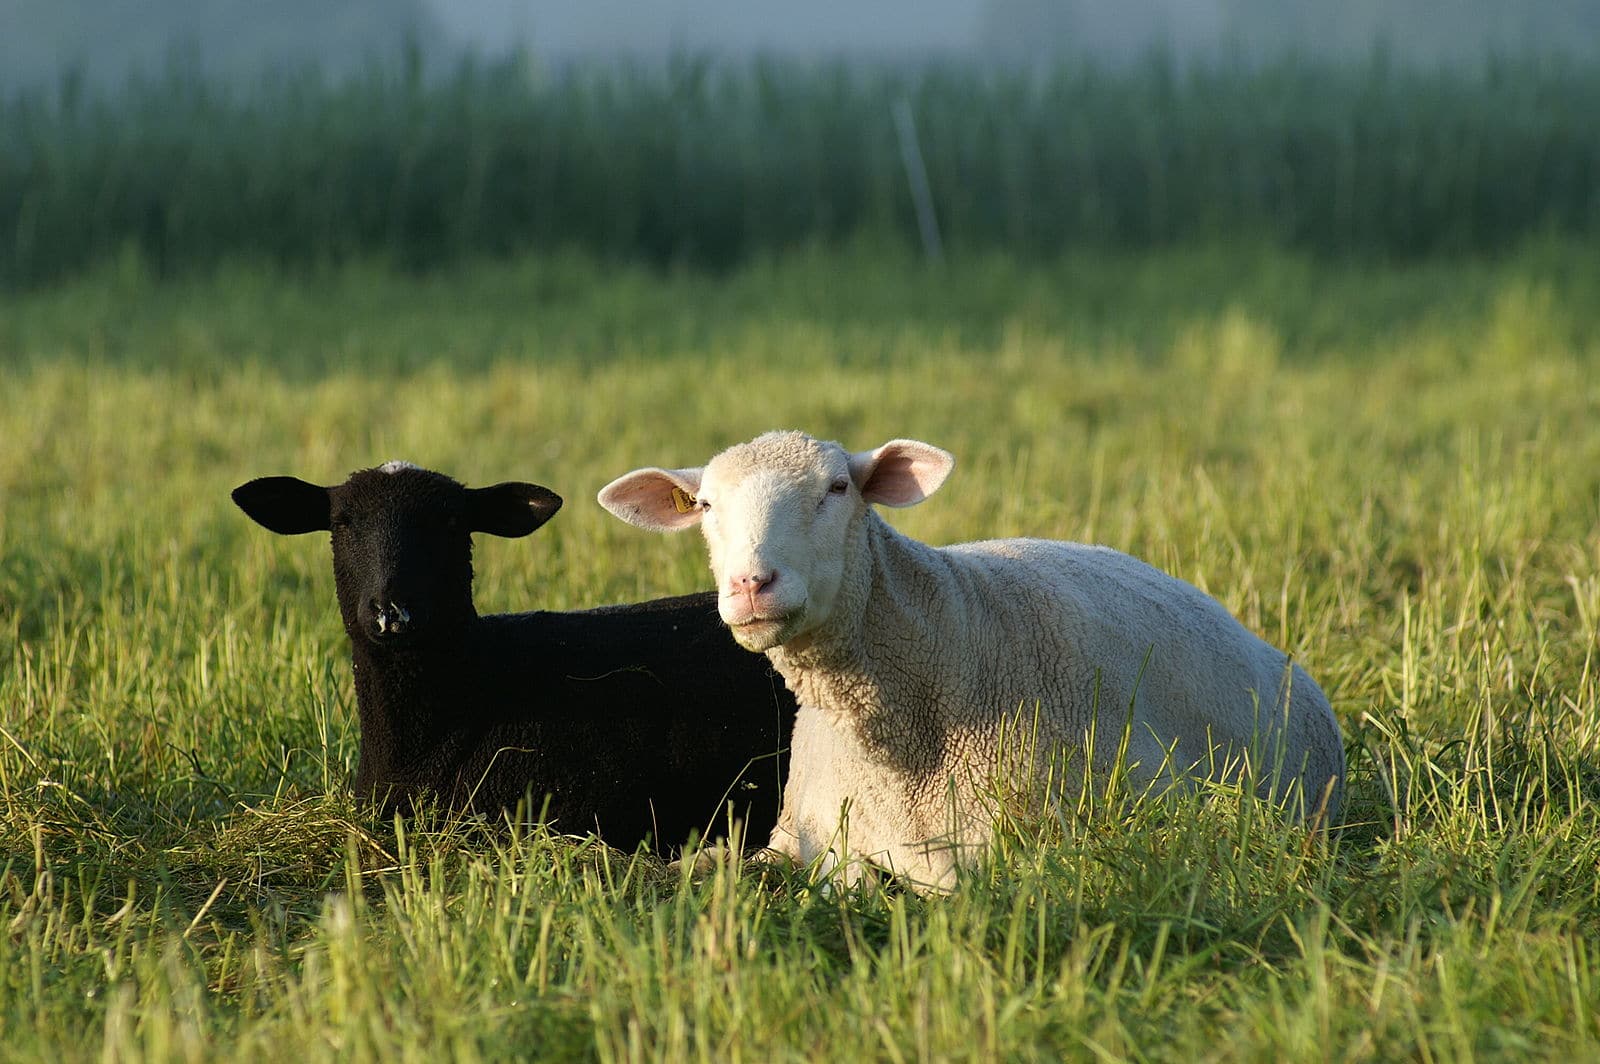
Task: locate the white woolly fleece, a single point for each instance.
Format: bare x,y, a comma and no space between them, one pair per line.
915,666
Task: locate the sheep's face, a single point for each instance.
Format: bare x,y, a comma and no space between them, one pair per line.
777,514
402,540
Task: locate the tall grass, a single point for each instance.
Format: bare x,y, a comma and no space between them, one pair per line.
712,163
1406,495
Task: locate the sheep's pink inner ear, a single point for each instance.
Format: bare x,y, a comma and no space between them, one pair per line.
661,500
901,472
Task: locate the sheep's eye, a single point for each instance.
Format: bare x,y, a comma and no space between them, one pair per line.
839,486
705,504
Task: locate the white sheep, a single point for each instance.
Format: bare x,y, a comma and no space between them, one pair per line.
911,663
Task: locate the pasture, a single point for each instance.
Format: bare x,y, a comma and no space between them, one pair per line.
1392,471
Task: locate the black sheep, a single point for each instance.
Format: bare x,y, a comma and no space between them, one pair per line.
639,721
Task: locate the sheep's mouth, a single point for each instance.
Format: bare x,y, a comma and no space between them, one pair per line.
764,631
390,639
377,636
758,622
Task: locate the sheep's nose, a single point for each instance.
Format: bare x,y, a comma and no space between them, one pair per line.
753,583
390,618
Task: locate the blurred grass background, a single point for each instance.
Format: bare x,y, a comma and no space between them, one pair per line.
710,163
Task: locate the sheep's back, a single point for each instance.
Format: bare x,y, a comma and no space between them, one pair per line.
1094,631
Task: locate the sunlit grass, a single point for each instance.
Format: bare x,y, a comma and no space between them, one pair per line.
1393,474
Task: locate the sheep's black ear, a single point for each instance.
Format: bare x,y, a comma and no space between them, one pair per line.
286,505
510,509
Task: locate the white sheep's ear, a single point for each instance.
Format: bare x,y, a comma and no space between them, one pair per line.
901,472
661,500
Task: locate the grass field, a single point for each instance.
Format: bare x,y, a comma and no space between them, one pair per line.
1394,472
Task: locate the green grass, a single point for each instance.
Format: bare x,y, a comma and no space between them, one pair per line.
1392,472
717,163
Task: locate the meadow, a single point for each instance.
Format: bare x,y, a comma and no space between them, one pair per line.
1392,470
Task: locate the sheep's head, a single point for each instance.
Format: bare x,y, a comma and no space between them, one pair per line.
402,540
777,514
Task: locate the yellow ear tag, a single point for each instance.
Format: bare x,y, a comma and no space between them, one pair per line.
682,500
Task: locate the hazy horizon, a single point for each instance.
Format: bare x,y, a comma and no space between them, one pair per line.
109,39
